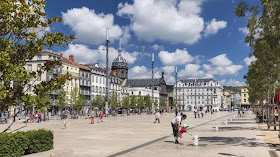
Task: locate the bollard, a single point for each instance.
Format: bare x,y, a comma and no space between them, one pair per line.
233,116
225,121
195,140
217,128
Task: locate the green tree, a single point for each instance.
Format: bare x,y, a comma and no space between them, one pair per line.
156,103
98,101
77,100
22,22
61,99
148,101
162,104
125,103
140,103
113,100
133,101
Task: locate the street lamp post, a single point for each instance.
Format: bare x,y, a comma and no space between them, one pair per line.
153,60
195,94
176,86
107,71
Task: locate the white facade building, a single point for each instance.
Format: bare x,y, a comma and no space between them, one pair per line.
98,80
143,92
199,92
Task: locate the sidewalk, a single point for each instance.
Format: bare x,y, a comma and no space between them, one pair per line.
233,139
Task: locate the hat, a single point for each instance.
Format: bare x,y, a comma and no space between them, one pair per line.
185,126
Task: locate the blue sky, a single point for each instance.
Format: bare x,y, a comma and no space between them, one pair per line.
203,38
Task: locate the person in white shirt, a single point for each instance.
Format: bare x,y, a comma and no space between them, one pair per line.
176,123
157,115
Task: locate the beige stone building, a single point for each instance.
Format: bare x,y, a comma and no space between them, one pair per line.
70,67
244,96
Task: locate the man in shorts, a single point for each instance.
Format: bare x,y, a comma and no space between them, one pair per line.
176,123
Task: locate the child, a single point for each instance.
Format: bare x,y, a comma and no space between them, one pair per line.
183,130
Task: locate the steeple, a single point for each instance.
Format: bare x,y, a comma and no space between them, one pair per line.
120,47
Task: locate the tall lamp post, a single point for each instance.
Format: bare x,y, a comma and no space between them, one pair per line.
153,61
107,71
176,86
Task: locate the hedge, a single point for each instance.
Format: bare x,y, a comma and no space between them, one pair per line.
23,143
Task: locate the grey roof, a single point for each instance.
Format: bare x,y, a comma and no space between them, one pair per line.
144,82
119,61
169,88
197,80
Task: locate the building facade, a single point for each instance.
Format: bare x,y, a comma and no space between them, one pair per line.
198,93
71,68
244,96
98,80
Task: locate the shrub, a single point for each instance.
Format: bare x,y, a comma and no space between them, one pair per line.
23,143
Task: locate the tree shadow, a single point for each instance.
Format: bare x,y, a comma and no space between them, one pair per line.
235,141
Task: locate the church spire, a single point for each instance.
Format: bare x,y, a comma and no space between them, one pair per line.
120,47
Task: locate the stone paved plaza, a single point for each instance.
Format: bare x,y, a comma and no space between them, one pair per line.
137,135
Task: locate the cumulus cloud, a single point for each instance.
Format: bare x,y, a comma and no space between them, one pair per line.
90,27
162,20
193,71
141,72
84,54
249,60
220,60
232,82
221,65
214,26
168,69
179,57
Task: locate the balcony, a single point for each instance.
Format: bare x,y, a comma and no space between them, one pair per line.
74,74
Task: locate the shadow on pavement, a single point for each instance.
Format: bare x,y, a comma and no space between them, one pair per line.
169,141
249,142
227,154
235,128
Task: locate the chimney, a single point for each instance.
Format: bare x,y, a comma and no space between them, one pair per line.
71,58
61,54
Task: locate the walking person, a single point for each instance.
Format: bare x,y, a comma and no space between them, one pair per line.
157,115
100,115
92,114
65,117
39,117
176,112
176,123
195,112
202,113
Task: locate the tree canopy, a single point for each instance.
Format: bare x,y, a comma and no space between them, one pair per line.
23,35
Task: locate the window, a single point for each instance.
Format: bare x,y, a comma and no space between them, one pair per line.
29,68
38,68
100,89
244,95
100,80
92,78
85,82
39,57
244,100
97,80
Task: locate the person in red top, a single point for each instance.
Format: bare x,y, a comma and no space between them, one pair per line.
101,116
183,130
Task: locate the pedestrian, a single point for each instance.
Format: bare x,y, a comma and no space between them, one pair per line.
176,123
176,112
182,112
239,112
65,117
39,117
92,114
157,115
100,115
202,113
195,112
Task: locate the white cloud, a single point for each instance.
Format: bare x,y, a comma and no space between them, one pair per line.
214,26
249,60
140,72
244,30
179,57
168,69
161,20
193,71
90,27
232,82
221,65
83,54
155,47
126,35
220,60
